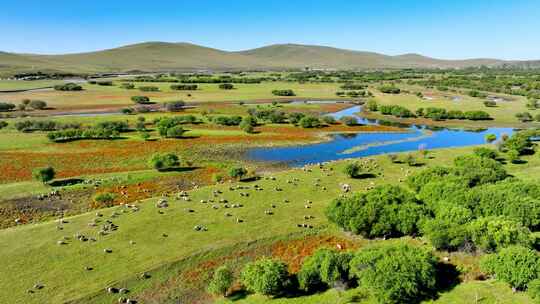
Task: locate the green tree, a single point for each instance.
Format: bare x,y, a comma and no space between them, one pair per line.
395,273
175,132
44,175
515,265
493,233
38,104
166,161
140,99
384,211
533,289
326,267
237,172
221,281
266,277
310,122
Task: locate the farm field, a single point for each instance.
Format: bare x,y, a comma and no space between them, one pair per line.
153,238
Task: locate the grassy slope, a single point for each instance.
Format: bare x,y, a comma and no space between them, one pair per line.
159,56
30,253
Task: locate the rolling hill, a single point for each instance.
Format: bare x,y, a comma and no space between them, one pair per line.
163,56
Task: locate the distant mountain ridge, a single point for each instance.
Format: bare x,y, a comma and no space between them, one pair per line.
165,56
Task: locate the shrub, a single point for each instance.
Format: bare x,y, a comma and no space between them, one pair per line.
68,87
118,126
37,104
228,120
105,199
448,229
148,89
5,107
486,152
456,114
309,122
476,115
353,170
436,113
491,138
349,120
277,117
353,86
3,124
221,281
420,179
533,289
175,132
329,120
247,124
127,111
226,86
184,87
515,265
490,103
162,162
325,267
295,117
145,135
127,86
384,211
389,89
175,106
493,233
237,172
396,273
519,142
164,124
479,170
524,117
44,175
372,105
283,92
266,277
513,156
140,99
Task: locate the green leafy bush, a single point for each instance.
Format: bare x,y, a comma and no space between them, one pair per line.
44,175
266,277
514,265
384,211
396,273
221,281
166,161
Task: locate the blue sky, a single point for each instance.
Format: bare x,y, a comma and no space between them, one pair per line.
444,29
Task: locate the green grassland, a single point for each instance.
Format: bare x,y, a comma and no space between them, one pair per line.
112,98
6,85
95,96
30,253
504,114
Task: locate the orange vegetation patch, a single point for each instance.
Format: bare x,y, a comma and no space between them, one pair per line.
294,252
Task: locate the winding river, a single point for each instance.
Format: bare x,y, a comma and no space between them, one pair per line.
349,145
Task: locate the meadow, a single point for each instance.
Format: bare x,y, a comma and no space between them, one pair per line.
149,237
60,244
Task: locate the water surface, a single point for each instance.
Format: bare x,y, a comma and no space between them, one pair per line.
348,145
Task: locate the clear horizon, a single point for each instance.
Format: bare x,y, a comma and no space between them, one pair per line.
457,30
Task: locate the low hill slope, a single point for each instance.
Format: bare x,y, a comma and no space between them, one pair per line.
163,56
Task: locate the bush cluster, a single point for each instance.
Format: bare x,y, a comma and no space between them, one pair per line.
287,92
68,87
184,87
